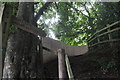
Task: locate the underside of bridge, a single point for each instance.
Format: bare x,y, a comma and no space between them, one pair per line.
100,62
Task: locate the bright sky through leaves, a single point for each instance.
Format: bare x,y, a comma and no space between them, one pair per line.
50,23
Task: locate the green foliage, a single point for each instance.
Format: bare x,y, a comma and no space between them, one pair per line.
72,28
12,29
79,20
13,8
37,6
1,3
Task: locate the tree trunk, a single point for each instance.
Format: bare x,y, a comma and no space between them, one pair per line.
1,14
20,57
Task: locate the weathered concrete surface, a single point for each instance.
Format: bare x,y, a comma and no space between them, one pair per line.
54,45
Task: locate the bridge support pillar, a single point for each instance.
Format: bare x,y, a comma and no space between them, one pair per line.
62,65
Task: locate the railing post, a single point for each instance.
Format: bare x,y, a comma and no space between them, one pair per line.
109,36
62,65
98,41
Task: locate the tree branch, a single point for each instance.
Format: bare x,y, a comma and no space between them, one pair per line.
77,10
70,35
95,12
86,8
41,10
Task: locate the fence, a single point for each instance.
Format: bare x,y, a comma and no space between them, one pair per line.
63,61
107,31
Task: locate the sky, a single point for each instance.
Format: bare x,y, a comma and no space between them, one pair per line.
50,23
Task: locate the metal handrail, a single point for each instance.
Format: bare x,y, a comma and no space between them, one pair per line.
95,35
105,33
113,40
103,29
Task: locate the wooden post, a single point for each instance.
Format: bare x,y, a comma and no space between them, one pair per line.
98,41
62,65
109,36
